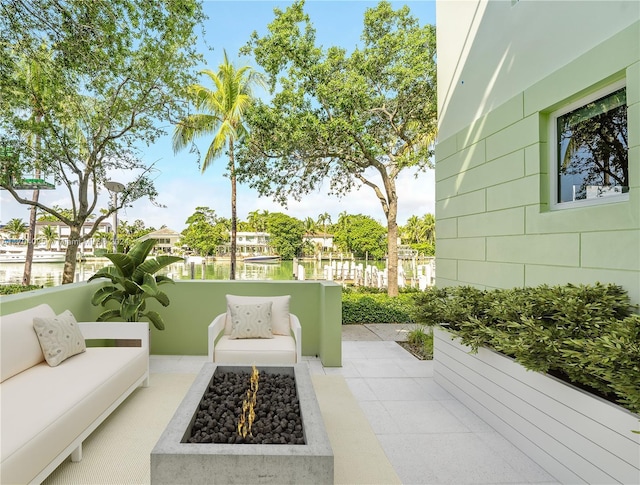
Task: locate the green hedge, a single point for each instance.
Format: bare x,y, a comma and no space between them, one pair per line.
371,306
13,289
585,333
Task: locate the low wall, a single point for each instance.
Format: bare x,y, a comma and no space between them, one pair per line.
576,436
194,305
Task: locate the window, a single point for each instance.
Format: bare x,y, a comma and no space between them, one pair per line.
590,149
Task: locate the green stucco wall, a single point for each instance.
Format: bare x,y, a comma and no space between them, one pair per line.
494,225
194,305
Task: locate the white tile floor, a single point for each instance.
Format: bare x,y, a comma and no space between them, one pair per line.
427,435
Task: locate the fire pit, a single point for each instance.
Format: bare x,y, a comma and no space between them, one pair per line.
175,460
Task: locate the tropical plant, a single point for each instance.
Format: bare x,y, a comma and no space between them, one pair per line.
223,113
343,119
16,228
285,235
50,235
133,283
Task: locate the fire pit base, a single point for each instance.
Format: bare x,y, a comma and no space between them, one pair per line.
173,461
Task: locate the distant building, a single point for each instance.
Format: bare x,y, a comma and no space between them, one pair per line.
64,231
323,241
167,239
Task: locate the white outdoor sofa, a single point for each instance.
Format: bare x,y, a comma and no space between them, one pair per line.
283,347
47,412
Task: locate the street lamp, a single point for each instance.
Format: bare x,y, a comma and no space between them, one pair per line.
114,188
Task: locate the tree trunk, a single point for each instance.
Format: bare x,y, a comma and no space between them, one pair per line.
234,217
31,238
68,274
392,244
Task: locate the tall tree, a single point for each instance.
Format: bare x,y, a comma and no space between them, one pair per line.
285,235
222,113
117,70
357,120
361,235
257,220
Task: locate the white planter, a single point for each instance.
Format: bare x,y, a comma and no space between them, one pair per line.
575,436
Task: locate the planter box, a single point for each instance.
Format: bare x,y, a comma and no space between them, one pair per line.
576,436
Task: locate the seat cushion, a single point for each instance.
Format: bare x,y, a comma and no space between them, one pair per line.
44,409
20,345
278,350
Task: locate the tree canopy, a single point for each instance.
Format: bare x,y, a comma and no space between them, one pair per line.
354,119
114,71
361,235
285,234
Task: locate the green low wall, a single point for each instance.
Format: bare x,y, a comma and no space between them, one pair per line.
194,305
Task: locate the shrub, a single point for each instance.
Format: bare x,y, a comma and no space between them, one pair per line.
363,307
13,289
584,333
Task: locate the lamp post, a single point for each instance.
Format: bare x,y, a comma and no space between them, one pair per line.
114,188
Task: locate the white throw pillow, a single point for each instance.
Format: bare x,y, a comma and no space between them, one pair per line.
280,323
60,337
251,321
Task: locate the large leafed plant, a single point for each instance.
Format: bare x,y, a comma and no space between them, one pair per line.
133,282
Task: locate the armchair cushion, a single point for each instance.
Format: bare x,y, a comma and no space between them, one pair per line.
280,324
251,321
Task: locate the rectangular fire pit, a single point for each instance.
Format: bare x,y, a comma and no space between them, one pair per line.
173,460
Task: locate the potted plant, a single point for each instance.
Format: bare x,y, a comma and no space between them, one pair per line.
133,282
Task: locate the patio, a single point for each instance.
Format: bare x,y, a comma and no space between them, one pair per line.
388,422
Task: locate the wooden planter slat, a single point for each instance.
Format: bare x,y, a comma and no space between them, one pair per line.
575,436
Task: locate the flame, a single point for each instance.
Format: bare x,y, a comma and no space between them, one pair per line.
246,421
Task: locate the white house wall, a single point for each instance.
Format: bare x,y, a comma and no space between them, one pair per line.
489,51
519,63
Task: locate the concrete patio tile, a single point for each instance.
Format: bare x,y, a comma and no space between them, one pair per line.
411,463
348,369
351,350
427,417
435,391
379,418
357,333
417,368
466,416
378,368
525,466
360,389
395,389
442,455
315,366
384,350
391,331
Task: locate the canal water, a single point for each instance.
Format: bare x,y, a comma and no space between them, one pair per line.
50,274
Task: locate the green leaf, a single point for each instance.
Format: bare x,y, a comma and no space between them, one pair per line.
155,318
140,251
108,315
104,294
123,262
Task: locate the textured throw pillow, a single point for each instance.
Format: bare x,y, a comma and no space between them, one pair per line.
60,337
280,324
251,321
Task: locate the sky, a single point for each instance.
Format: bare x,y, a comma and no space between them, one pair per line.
181,185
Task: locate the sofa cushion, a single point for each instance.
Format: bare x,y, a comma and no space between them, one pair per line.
60,337
280,323
20,348
278,350
251,321
39,421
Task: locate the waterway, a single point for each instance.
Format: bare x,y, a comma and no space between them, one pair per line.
50,274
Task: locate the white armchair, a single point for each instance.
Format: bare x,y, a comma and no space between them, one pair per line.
281,349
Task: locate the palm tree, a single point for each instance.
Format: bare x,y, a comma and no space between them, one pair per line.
310,226
222,112
50,235
323,220
16,228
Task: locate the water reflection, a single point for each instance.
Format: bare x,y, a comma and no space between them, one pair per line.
50,274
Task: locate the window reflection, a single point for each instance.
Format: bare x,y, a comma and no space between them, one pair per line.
593,154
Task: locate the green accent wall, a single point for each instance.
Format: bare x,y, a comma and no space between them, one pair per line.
494,225
194,305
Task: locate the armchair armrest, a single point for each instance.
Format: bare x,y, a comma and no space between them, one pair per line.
116,330
296,329
215,328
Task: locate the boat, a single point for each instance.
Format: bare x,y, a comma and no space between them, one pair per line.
262,258
17,254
